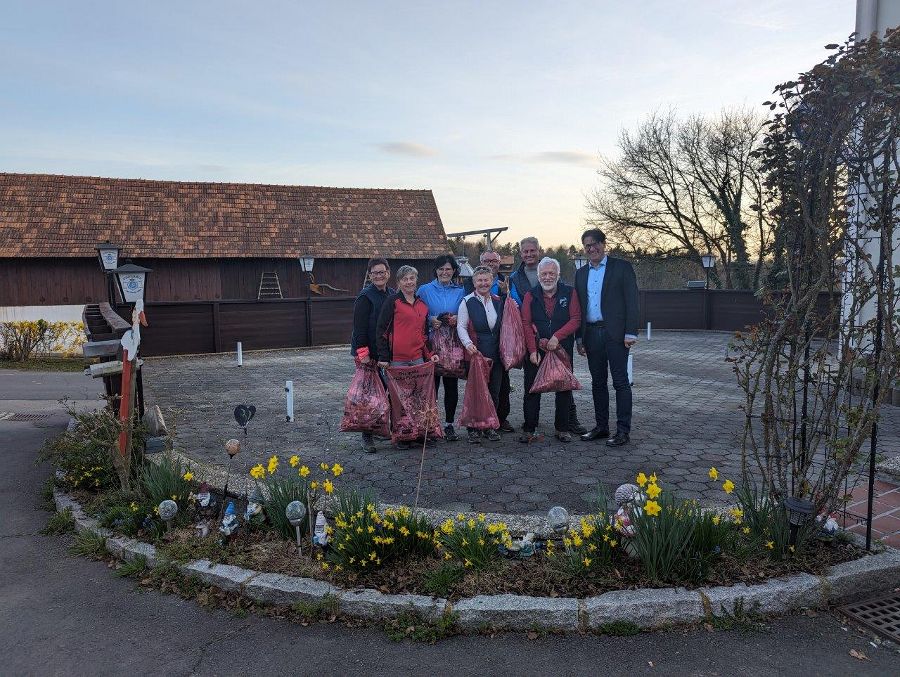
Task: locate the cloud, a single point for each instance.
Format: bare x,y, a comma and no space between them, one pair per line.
408,148
563,157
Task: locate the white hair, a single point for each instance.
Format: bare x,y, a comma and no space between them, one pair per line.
547,261
529,240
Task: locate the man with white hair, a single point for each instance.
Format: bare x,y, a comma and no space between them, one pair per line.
551,314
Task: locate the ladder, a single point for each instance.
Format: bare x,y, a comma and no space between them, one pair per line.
269,287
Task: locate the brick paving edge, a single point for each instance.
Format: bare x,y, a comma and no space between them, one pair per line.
647,608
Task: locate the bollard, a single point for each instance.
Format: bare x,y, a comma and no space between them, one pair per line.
648,331
289,391
240,352
630,368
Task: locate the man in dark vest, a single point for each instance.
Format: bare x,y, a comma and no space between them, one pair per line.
366,309
610,312
551,314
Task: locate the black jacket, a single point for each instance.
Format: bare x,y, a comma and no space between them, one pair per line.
366,310
618,298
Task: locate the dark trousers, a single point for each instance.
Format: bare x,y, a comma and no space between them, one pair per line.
564,402
451,395
608,356
503,406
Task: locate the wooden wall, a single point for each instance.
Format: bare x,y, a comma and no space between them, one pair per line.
42,281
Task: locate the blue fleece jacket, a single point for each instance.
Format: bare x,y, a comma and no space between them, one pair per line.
441,298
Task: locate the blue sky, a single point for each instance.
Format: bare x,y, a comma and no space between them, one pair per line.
501,108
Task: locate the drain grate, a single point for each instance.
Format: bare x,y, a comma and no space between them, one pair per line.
881,614
13,416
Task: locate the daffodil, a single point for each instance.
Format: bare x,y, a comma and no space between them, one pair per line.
746,530
325,467
728,486
653,490
652,508
337,469
716,519
713,474
587,561
188,476
770,545
273,465
313,485
294,460
652,479
257,472
641,479
328,486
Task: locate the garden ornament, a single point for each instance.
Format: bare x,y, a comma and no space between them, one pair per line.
233,447
320,537
254,505
558,519
230,522
627,498
167,510
295,512
628,494
243,414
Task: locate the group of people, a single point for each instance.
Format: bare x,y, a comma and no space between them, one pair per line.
597,316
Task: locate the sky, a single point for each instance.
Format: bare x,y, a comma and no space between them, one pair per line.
502,109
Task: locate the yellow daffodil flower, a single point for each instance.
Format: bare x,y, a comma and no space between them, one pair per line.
641,479
746,530
770,545
188,476
728,486
313,485
303,471
653,491
716,519
273,465
652,479
325,467
713,474
652,508
337,469
328,486
257,472
587,561
294,460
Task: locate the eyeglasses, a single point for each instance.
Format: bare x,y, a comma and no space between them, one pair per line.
373,273
593,245
491,261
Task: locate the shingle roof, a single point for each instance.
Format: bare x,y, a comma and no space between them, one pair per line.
48,215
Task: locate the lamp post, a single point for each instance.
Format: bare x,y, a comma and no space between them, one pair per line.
709,262
132,281
799,511
306,265
108,255
580,260
465,270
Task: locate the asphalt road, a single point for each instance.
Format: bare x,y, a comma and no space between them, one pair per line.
63,615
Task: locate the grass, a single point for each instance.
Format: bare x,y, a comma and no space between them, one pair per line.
739,619
442,581
89,544
46,495
619,629
325,609
60,523
47,364
410,625
133,568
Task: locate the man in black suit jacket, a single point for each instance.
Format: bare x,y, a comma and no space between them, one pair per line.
608,294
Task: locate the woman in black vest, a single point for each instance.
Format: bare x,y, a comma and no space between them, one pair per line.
366,309
481,314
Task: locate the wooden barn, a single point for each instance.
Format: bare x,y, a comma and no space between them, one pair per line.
211,247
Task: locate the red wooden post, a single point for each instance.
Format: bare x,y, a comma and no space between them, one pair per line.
125,405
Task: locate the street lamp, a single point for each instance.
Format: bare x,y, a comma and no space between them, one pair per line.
306,265
108,255
709,262
132,281
465,270
580,260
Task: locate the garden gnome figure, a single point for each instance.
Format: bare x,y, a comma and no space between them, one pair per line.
254,511
206,510
627,497
321,535
230,524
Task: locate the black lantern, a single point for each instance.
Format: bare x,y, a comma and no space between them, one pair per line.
709,262
132,281
799,511
580,260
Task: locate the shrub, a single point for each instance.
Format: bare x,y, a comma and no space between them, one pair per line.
474,542
84,454
21,339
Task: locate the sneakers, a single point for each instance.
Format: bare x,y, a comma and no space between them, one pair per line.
492,436
506,427
563,436
450,434
368,444
527,437
474,437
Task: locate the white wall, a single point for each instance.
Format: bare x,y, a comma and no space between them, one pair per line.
49,313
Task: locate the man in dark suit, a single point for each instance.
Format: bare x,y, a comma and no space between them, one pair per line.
608,294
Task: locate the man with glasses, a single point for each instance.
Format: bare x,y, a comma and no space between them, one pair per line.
608,294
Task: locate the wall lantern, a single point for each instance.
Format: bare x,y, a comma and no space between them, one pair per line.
306,263
709,262
465,270
580,260
108,255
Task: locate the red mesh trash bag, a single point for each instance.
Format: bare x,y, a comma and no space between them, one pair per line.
478,408
555,374
512,336
366,407
413,404
449,349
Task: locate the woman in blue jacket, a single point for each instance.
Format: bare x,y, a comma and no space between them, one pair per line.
443,297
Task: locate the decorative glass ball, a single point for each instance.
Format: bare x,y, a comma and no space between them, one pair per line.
627,493
168,509
233,447
558,519
295,512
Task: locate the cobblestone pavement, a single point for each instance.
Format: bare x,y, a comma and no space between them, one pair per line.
686,419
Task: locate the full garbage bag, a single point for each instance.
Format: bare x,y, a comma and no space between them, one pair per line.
512,336
366,407
478,409
449,349
555,373
413,404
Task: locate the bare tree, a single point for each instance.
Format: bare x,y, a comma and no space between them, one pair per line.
688,187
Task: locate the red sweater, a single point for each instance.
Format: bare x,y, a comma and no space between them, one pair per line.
564,331
402,330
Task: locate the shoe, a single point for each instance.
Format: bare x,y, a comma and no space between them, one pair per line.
596,434
492,436
528,437
563,436
368,444
506,427
404,445
620,440
450,434
474,437
577,429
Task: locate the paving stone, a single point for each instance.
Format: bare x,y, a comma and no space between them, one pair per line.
516,612
646,608
224,576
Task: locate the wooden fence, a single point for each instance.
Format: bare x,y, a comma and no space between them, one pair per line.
216,326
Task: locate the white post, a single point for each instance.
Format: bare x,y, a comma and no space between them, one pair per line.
240,352
648,331
630,369
289,390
